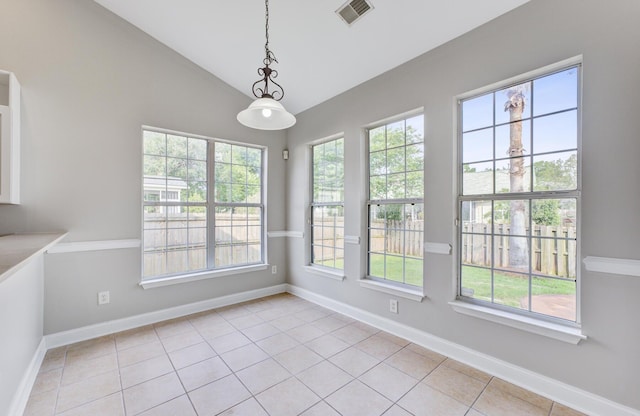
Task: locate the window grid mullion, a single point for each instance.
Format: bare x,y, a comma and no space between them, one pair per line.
325,160
401,234
211,210
186,239
562,243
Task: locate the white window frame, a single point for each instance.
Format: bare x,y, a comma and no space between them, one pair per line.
400,289
545,325
211,270
330,271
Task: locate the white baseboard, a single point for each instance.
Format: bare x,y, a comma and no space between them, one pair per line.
21,397
110,327
555,390
560,392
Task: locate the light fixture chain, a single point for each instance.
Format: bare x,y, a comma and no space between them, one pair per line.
268,74
266,113
266,29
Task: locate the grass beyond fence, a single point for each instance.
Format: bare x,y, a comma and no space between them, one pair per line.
509,289
394,269
512,289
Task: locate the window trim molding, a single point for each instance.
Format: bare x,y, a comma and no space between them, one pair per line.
311,203
402,116
569,334
401,290
373,283
329,273
460,301
203,275
554,67
210,205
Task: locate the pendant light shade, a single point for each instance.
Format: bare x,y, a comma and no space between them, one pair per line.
266,114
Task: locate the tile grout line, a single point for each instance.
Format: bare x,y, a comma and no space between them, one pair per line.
268,308
64,364
238,378
115,342
478,398
175,372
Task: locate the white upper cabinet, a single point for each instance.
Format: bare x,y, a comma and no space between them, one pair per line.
9,138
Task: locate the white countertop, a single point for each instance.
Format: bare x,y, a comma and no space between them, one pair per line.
17,249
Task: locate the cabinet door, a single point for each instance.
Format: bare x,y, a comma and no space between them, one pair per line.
9,160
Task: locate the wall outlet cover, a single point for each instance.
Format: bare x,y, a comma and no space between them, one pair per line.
103,298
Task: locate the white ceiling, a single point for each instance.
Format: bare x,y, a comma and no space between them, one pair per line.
319,55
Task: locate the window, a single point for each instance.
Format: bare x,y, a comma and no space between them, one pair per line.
519,168
327,205
396,192
189,227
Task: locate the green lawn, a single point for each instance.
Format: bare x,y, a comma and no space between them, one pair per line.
394,266
329,263
413,272
510,289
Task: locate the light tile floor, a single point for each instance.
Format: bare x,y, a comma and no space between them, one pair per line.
276,356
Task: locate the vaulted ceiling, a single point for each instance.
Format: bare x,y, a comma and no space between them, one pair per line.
319,55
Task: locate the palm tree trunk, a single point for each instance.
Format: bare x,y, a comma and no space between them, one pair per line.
518,246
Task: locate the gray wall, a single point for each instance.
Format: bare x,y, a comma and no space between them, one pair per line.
89,82
539,33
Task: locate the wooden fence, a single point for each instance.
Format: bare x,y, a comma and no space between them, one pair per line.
238,241
399,237
328,240
554,248
395,236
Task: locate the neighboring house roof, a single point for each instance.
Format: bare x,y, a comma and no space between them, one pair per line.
482,182
162,182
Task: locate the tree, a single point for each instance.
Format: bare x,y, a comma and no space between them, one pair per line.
546,212
556,174
396,166
518,247
237,173
543,212
328,171
237,168
391,212
177,157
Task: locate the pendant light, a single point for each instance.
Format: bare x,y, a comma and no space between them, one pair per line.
266,113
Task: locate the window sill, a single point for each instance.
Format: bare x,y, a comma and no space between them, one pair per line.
325,272
403,292
548,329
193,277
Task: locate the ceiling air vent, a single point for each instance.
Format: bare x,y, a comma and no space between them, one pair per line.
353,10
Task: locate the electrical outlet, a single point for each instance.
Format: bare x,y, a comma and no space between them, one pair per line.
393,306
274,269
103,298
